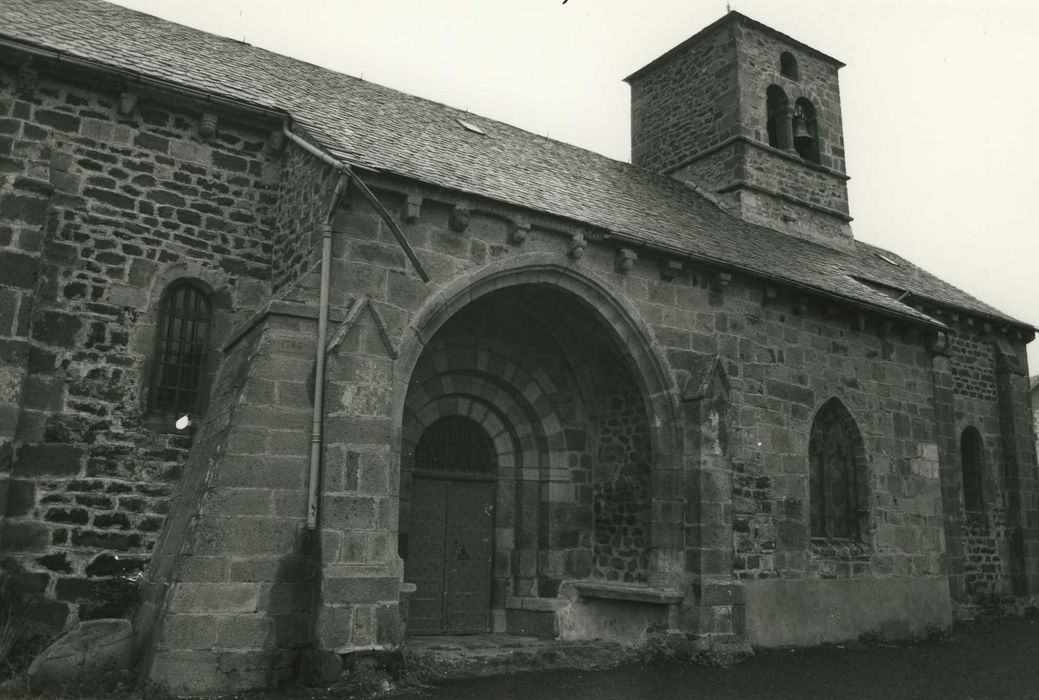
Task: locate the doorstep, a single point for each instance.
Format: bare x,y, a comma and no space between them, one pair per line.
457,656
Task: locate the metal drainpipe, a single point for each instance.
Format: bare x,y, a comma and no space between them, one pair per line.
317,423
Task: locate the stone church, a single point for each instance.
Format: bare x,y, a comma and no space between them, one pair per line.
292,361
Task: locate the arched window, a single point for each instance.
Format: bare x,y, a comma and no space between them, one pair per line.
788,65
970,464
182,342
456,444
779,134
837,477
806,130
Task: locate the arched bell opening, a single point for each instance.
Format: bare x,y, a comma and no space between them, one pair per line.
806,130
779,125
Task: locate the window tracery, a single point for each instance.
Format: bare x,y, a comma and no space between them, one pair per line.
836,477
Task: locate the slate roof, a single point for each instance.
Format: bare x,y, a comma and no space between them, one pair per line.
383,129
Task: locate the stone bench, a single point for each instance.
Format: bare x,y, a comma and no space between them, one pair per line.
602,607
628,591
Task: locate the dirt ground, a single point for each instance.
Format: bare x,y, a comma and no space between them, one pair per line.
975,660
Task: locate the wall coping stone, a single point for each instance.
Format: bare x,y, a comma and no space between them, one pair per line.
741,138
280,307
519,602
627,591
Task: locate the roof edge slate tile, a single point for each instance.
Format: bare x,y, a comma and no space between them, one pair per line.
381,129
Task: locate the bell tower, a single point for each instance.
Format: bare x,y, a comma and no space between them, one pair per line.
753,116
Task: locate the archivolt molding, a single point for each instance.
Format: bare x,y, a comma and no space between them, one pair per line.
512,450
622,321
478,395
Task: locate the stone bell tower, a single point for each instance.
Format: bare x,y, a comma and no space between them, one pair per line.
753,116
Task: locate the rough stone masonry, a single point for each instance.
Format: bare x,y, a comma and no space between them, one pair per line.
622,404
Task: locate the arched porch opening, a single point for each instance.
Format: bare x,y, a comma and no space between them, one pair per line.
581,436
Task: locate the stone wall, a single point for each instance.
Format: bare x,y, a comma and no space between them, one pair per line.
789,364
101,209
784,357
621,487
686,104
973,366
978,556
984,552
306,185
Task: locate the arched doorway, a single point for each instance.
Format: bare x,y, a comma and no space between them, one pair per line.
558,384
450,542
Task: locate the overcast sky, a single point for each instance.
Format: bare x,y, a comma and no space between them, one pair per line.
940,98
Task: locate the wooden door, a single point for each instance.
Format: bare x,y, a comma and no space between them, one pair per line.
467,557
424,564
450,548
451,528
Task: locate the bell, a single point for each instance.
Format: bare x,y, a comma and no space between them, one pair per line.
802,137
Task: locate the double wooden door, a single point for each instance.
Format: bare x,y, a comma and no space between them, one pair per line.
450,547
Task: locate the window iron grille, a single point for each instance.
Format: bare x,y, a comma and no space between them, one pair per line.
456,444
181,352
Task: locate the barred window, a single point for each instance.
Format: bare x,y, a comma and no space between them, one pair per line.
181,353
458,445
837,478
970,464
